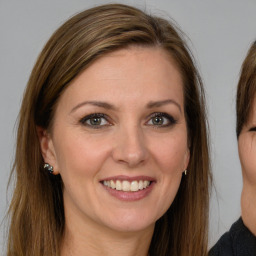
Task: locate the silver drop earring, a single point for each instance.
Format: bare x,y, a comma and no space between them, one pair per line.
185,172
48,168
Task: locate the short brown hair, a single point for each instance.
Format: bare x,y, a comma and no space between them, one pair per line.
246,89
37,207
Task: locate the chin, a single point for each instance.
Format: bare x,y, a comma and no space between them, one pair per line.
131,222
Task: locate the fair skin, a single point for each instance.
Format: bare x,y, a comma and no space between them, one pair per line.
247,154
119,142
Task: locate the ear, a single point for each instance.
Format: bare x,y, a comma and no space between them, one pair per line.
47,148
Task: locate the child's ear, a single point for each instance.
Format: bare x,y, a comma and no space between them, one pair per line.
47,148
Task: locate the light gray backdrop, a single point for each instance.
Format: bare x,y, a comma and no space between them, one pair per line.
220,32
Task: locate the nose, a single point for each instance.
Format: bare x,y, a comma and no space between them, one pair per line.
130,147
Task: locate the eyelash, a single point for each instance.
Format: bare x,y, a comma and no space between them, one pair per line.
253,129
170,120
95,116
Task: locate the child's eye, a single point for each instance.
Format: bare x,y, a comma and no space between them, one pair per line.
253,129
161,120
95,120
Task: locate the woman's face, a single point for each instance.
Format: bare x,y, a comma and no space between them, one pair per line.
119,140
247,149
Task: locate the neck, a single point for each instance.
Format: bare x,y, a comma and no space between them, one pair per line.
248,205
91,240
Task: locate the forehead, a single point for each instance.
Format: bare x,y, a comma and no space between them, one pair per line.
143,70
135,56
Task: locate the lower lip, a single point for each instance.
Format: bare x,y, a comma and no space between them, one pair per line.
130,196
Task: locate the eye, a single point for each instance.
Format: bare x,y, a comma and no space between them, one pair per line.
96,120
253,129
161,120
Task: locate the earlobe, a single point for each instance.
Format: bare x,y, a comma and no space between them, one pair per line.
47,148
187,158
186,162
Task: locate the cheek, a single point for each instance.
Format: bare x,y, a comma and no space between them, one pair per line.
171,153
80,155
247,154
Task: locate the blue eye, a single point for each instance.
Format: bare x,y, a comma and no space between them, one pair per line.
95,120
161,120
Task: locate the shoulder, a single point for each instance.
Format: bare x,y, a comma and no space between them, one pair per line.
223,246
239,241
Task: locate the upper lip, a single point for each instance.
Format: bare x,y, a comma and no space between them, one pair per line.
128,178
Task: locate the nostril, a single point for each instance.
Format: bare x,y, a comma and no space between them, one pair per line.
129,158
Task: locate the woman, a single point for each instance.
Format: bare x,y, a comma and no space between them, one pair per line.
112,151
241,239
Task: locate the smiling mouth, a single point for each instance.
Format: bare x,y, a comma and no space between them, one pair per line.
127,186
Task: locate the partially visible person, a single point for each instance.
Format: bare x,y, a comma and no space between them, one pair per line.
112,147
241,238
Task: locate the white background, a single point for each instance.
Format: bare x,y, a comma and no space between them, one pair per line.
220,32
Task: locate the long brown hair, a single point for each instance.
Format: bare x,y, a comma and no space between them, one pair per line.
37,216
246,89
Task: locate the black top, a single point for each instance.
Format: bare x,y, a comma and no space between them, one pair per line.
239,241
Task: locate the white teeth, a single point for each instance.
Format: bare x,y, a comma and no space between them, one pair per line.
141,185
146,183
127,186
118,185
134,186
112,184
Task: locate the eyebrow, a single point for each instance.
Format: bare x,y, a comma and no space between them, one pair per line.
154,104
100,104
